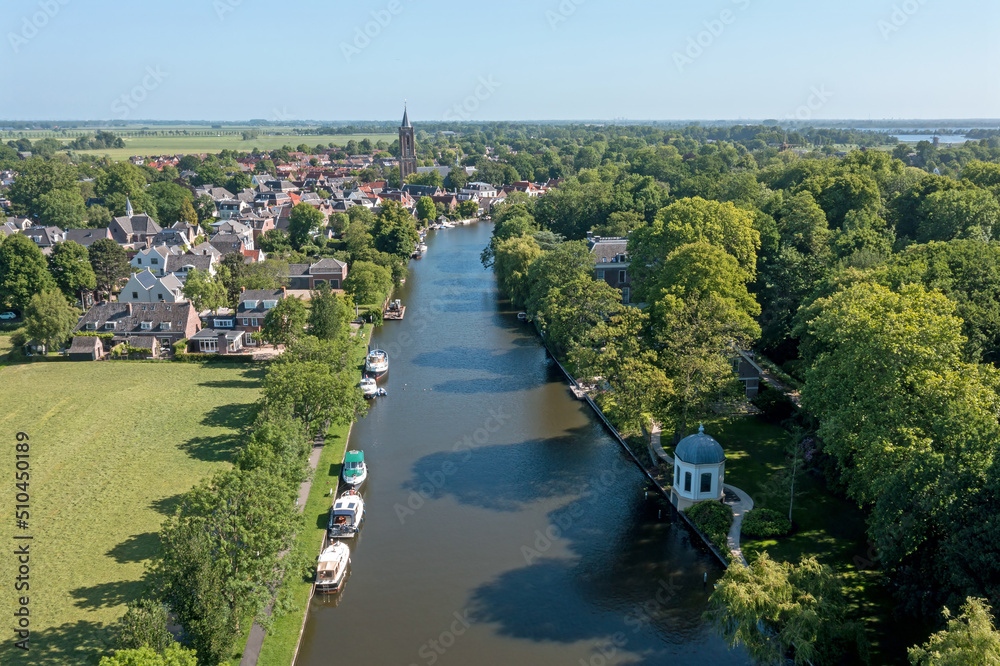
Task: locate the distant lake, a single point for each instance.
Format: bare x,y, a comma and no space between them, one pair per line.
945,138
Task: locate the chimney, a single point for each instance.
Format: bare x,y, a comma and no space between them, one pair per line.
242,289
284,292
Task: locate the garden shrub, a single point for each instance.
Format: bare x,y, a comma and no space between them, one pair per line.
764,524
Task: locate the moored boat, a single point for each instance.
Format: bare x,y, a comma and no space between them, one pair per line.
369,388
331,570
377,363
346,515
355,469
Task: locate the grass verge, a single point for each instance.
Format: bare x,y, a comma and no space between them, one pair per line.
283,638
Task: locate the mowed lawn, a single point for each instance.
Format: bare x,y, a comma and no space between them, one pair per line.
113,447
171,145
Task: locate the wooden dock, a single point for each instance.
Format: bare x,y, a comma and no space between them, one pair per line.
393,310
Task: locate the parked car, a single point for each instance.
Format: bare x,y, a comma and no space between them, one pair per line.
8,315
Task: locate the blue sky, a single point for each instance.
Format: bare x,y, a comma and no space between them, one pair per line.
510,60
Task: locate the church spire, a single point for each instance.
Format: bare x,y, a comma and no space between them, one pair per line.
128,207
406,117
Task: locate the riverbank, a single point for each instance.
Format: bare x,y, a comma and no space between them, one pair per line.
282,639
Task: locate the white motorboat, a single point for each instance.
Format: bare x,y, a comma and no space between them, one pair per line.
369,388
346,515
331,570
377,363
355,469
523,316
422,248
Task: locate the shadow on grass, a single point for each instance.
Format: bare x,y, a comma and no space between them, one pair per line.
168,505
234,416
136,548
116,593
221,447
79,642
231,383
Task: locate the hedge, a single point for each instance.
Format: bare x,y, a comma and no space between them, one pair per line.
714,519
213,358
765,523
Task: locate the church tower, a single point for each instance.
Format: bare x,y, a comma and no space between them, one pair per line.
407,149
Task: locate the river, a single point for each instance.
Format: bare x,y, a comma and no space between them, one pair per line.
504,525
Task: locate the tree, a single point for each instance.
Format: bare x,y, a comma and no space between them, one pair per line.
971,638
172,656
188,214
303,222
220,558
339,222
35,179
368,283
395,231
687,221
110,264
426,210
205,291
952,214
513,259
330,315
468,209
144,625
23,272
62,208
285,322
169,199
776,609
274,241
569,262
50,318
314,390
124,181
570,311
70,266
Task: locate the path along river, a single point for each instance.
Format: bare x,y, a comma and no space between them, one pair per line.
504,525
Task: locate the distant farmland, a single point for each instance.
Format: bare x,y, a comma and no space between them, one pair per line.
160,143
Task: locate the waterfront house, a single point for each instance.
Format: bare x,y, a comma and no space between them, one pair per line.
167,322
253,308
699,470
612,263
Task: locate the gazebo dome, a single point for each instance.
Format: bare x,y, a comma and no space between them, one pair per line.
700,449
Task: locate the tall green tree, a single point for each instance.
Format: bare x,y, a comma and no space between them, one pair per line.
426,210
313,391
63,209
395,230
221,556
512,261
50,318
368,283
172,656
570,311
285,323
970,638
37,178
303,222
330,315
144,625
70,266
110,264
776,610
23,272
205,291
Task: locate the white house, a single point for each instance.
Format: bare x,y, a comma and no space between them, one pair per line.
153,259
144,287
699,470
479,190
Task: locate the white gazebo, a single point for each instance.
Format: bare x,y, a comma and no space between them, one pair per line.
699,470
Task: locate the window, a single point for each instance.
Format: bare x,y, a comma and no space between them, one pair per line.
165,326
604,260
154,261
687,482
249,305
268,305
706,482
110,326
140,261
211,345
135,295
161,296
621,276
245,321
600,274
677,476
223,323
626,295
147,325
255,322
91,325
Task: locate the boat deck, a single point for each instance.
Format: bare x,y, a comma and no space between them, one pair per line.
394,315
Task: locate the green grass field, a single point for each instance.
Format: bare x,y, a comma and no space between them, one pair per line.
113,447
174,145
826,526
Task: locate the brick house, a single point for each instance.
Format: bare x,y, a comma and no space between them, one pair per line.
167,322
253,308
326,272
